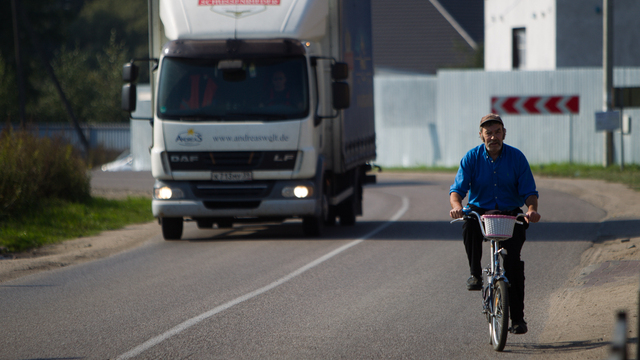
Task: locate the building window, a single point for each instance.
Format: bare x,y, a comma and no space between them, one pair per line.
519,49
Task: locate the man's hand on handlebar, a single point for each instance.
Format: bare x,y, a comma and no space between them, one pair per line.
532,216
456,205
456,213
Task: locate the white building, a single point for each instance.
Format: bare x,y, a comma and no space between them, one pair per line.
553,34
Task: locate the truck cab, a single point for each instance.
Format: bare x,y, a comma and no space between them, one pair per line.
249,119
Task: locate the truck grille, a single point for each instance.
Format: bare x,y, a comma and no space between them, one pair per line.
233,160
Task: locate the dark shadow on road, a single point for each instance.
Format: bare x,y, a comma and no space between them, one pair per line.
555,348
400,183
560,347
425,230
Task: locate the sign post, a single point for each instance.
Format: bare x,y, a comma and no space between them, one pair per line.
625,97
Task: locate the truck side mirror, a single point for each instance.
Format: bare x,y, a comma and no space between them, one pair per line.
129,97
341,95
339,71
129,72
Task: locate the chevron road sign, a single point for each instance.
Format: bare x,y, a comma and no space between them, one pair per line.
530,105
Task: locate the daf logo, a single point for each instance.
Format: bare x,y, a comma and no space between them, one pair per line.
184,158
280,158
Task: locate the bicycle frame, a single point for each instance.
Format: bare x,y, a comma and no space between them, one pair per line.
494,276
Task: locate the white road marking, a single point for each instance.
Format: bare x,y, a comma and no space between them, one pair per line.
195,320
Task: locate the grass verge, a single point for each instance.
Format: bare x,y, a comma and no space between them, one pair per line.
630,176
56,220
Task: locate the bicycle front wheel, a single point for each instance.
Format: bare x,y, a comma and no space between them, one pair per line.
499,316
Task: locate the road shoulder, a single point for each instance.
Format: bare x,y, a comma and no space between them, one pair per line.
72,252
582,313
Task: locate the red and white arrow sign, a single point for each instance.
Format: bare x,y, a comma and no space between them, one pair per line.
527,105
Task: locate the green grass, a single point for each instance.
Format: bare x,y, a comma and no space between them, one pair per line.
630,176
56,220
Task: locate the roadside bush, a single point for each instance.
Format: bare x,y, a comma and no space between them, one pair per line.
33,169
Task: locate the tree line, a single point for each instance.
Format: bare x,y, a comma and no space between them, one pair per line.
84,42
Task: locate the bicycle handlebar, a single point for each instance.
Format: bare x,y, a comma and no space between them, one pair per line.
471,214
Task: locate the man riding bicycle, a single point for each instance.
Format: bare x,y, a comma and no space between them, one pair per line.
499,180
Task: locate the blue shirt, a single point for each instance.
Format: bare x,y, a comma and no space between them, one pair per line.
506,182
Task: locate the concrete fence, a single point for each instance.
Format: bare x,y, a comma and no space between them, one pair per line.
432,120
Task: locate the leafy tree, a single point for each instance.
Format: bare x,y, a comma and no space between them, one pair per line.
94,92
127,18
8,92
50,21
86,41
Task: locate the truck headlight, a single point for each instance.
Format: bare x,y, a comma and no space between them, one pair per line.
166,193
300,191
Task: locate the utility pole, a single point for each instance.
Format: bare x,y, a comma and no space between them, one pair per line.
607,76
20,78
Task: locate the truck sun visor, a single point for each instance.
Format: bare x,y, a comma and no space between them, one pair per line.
240,48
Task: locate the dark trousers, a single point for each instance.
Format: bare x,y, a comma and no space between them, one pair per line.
513,266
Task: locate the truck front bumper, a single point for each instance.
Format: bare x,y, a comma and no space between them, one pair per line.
202,199
267,208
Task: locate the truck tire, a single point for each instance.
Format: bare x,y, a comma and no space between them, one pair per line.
349,209
172,228
313,226
331,216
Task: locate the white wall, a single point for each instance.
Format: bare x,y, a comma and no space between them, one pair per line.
539,19
560,33
405,116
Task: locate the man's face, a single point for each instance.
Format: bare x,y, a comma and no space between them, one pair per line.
493,135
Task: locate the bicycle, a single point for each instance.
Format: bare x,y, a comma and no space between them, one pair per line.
495,294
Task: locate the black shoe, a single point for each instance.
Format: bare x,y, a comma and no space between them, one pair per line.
474,283
519,327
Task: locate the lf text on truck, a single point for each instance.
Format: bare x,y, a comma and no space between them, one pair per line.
261,110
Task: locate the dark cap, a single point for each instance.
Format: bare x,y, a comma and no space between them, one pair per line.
491,117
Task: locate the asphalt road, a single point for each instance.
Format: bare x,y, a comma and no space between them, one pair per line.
390,287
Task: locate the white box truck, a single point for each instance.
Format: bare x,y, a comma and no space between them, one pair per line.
262,110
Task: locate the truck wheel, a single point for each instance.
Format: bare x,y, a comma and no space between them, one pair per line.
314,225
349,208
348,212
331,216
172,228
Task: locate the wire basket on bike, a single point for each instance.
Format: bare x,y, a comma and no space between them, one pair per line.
499,226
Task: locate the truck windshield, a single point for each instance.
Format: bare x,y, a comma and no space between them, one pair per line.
246,89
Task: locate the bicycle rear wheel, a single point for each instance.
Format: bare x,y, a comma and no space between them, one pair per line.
499,325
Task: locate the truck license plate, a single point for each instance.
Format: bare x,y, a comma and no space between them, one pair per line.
231,176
